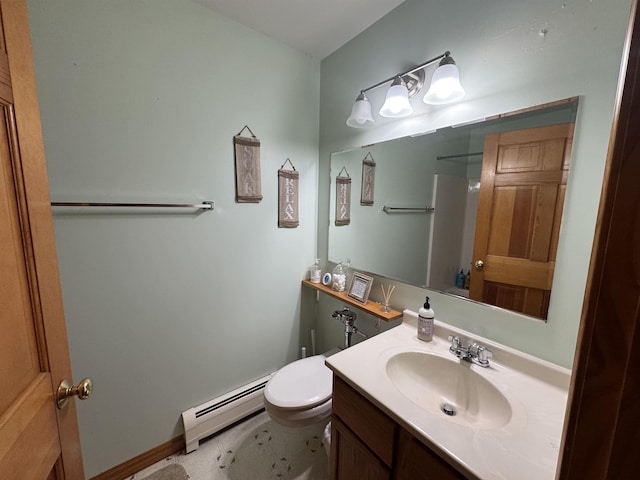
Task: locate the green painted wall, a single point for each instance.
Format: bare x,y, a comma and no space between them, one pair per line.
511,55
140,101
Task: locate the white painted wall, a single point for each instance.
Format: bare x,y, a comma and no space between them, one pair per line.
470,214
139,102
511,55
450,194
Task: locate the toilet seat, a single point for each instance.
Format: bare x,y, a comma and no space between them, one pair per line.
300,392
304,383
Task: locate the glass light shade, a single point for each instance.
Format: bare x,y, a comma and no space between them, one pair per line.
361,113
445,86
397,103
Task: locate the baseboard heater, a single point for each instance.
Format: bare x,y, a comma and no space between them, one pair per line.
214,415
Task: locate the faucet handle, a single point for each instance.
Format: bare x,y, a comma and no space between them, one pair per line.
456,344
484,354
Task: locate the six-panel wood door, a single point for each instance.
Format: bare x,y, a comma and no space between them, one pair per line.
37,441
522,190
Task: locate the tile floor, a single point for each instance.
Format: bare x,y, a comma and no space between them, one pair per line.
255,449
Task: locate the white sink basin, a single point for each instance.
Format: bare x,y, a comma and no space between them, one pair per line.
449,387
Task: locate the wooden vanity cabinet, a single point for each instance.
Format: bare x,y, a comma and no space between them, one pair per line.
368,445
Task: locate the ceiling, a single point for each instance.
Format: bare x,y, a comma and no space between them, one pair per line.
314,27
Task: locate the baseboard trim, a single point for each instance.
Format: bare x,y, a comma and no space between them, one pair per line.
142,461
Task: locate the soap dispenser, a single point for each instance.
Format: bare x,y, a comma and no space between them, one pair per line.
425,322
315,273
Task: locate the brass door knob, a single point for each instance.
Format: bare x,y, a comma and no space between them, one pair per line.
66,390
479,264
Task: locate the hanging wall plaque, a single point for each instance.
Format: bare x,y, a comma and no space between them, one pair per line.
343,198
288,197
248,182
368,180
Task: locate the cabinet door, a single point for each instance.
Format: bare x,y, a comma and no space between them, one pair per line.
374,428
417,462
351,459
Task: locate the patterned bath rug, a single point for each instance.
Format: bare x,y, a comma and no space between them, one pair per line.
170,472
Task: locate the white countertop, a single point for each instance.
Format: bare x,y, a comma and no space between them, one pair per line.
526,448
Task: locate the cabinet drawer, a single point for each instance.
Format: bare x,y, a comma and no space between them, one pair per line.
372,426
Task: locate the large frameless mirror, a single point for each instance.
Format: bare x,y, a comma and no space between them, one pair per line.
472,210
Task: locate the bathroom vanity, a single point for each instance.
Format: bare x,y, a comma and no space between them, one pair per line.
406,409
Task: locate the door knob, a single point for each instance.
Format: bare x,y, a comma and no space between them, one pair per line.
479,264
66,391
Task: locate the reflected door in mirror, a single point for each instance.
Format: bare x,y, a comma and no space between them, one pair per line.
522,190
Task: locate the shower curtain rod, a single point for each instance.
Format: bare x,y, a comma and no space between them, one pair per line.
201,206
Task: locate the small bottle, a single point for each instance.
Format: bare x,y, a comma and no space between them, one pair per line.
315,273
460,279
467,279
348,273
339,278
425,322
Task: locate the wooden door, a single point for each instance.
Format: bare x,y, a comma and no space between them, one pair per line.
37,441
522,190
601,432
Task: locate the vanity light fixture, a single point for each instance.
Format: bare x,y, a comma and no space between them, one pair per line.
445,88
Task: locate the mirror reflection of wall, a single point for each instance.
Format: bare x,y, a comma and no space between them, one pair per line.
442,170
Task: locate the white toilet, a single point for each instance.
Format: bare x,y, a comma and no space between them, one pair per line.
299,394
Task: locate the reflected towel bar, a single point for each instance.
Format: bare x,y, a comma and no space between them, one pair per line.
200,206
460,155
387,209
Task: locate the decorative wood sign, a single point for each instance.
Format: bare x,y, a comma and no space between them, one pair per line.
368,180
288,197
248,181
343,198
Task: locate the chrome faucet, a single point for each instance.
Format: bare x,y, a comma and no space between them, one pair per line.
348,318
471,352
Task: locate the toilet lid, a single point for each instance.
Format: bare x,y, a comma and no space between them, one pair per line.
303,383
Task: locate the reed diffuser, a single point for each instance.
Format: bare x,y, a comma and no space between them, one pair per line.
386,295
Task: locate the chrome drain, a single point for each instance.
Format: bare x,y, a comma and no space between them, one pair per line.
448,409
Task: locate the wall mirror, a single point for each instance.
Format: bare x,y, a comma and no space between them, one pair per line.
484,199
